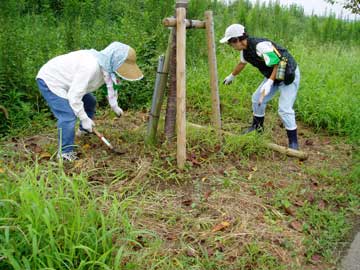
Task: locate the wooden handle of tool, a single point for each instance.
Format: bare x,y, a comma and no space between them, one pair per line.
97,133
102,138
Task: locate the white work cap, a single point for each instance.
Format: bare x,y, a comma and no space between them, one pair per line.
233,31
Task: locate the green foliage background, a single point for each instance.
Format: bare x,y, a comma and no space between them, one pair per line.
32,32
56,221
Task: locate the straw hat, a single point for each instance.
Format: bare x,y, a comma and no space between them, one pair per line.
129,70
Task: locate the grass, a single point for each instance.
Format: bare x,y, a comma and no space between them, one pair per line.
326,100
138,211
54,221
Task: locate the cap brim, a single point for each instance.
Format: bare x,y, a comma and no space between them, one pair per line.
224,39
129,72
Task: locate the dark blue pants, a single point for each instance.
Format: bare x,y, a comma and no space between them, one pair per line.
66,118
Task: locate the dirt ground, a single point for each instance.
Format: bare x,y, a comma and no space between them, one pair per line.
219,203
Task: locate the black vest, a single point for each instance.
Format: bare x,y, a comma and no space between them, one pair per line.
251,56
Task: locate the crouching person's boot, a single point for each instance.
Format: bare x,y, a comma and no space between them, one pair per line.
257,124
293,141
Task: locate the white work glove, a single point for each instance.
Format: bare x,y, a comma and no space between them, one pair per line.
229,79
265,89
87,124
119,112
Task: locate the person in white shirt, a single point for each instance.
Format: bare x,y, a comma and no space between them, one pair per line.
66,83
281,74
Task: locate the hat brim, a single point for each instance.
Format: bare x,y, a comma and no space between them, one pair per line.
129,72
224,39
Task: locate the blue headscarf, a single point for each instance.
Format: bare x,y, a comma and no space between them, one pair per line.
112,57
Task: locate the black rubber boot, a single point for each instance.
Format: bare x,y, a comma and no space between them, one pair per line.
293,142
257,124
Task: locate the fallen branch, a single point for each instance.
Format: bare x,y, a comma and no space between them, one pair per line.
287,151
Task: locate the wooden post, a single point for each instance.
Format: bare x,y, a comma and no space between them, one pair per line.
170,117
159,90
181,86
214,84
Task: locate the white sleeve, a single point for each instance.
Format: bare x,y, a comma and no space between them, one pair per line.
242,59
266,51
78,90
112,93
264,47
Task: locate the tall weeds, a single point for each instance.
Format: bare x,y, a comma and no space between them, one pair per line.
32,32
53,221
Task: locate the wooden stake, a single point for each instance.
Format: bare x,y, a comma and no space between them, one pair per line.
214,84
181,86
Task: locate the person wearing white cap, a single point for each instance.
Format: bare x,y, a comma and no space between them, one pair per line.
281,73
66,83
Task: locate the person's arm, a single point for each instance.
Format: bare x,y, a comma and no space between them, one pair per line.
266,50
238,68
268,84
77,91
273,73
112,94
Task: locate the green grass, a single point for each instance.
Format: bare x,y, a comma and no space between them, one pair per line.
151,216
329,89
139,211
54,221
327,95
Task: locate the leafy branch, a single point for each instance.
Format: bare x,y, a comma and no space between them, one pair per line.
352,5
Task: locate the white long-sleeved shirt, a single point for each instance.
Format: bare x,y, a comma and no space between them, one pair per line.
73,75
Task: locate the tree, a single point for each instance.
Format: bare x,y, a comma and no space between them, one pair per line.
352,5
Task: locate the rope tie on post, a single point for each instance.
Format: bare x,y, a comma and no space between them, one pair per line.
191,24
